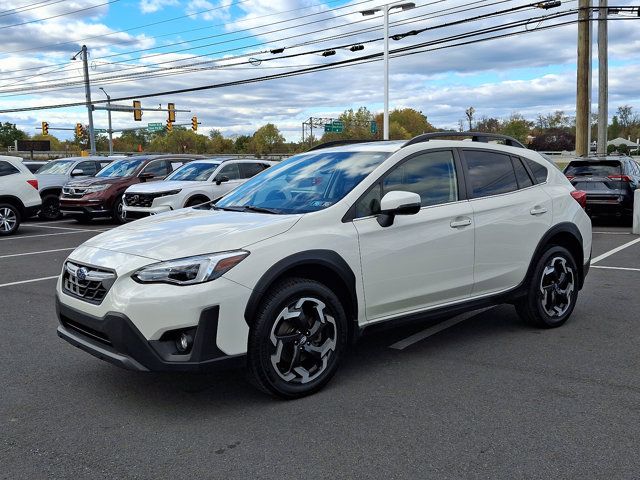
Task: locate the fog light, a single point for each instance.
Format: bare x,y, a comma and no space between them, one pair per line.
184,342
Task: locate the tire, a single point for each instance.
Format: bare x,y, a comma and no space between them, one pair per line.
50,209
9,219
297,340
118,214
552,292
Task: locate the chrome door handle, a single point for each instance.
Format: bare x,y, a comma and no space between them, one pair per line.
460,222
537,210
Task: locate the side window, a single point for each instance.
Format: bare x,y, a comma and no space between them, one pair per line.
490,173
101,165
7,169
175,165
248,170
88,168
539,171
230,171
431,175
158,168
524,180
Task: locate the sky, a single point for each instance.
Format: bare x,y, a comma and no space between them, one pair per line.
139,47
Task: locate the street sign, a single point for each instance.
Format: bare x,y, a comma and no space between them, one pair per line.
99,130
155,127
337,126
374,127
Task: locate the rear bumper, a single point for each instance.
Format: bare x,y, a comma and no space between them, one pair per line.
31,211
115,339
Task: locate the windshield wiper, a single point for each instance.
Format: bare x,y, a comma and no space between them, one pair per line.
247,208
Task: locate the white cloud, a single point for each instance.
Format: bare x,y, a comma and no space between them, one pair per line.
151,6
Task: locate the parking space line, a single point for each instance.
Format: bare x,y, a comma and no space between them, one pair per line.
28,281
20,237
62,228
52,221
37,253
614,250
613,233
428,332
617,268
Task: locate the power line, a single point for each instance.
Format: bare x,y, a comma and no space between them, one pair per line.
32,6
59,15
338,64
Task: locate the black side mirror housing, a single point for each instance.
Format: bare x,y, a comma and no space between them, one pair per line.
221,179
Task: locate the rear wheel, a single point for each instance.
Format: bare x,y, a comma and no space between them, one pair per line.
298,339
553,290
118,213
50,209
9,219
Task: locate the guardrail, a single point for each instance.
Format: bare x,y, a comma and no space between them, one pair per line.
53,155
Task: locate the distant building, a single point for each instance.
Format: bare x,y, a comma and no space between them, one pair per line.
622,141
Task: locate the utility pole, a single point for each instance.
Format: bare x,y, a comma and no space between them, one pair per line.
109,114
603,78
583,122
87,92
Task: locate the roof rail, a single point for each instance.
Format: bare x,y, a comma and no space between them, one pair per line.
338,143
475,137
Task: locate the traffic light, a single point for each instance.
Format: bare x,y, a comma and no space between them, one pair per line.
172,112
79,130
45,128
169,125
137,112
194,124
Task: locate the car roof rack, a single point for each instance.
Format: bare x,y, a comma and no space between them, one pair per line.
475,137
339,143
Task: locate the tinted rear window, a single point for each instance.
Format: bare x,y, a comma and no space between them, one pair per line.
539,171
7,169
593,169
490,173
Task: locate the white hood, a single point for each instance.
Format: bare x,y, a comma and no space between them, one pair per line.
164,186
189,231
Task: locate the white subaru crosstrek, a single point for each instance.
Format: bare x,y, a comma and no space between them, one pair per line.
294,264
192,184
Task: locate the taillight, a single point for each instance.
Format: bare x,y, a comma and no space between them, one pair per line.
580,196
570,177
33,183
623,178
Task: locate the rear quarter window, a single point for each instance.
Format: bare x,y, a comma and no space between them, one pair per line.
7,169
539,171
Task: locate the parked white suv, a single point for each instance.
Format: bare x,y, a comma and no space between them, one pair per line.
296,262
19,197
192,184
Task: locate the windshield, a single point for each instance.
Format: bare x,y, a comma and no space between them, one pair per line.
593,169
121,168
60,167
195,172
305,183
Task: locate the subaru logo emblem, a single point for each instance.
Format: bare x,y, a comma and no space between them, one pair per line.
82,273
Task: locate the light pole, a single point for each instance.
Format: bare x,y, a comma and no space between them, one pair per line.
385,10
109,113
87,92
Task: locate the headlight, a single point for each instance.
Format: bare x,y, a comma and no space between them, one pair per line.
190,270
96,188
170,192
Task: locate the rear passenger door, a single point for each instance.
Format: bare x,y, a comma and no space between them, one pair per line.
249,169
511,214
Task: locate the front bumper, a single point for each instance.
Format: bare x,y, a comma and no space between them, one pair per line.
93,208
115,339
142,212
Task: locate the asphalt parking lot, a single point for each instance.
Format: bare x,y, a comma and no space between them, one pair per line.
488,397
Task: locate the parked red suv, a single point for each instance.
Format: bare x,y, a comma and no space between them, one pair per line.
101,196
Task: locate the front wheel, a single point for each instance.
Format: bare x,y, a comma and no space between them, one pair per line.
553,289
118,213
50,209
297,340
9,219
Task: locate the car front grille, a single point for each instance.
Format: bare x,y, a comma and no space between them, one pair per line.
73,192
139,199
90,284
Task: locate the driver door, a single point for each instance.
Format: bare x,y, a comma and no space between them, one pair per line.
421,260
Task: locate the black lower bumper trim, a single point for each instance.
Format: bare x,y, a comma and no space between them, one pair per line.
115,339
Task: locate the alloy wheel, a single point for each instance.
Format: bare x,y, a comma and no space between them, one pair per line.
303,339
556,287
8,220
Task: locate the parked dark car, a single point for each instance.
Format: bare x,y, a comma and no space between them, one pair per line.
33,165
101,196
609,182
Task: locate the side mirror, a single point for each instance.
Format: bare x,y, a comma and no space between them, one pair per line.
398,203
221,179
76,172
145,176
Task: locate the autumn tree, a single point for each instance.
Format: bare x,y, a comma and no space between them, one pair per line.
218,144
469,113
517,127
267,139
488,125
9,133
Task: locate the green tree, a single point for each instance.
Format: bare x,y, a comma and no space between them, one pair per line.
614,129
54,143
404,123
242,144
180,140
267,139
219,144
488,125
9,133
517,127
